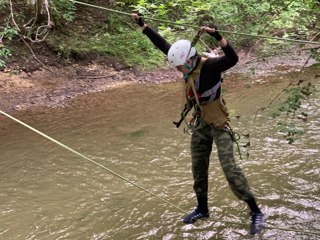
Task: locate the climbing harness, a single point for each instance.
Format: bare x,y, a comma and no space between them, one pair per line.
191,102
136,185
194,102
192,125
183,115
194,122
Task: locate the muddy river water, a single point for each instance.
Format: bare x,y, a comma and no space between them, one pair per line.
50,193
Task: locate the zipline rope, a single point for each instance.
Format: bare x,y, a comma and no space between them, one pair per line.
90,160
134,184
197,27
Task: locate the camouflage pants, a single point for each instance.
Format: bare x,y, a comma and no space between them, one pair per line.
201,147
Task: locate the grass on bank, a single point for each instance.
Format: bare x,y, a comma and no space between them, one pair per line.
115,38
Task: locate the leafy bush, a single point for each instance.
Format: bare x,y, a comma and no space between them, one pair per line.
294,98
7,33
294,18
63,10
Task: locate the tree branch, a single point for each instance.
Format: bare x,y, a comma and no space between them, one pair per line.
286,88
35,57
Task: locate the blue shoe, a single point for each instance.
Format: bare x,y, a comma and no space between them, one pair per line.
194,216
257,222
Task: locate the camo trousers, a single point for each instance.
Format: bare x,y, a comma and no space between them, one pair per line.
201,147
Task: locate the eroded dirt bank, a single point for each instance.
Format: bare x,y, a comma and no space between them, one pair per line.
21,89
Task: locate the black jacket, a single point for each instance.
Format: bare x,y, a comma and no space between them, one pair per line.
210,74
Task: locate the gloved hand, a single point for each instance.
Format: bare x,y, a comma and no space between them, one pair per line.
213,33
138,19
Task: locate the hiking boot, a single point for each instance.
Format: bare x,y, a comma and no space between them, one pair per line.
257,222
194,216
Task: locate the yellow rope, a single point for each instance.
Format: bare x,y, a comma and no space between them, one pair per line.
90,160
136,185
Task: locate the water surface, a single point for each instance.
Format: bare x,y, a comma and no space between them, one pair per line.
50,193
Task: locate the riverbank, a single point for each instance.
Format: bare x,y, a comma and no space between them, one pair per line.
44,88
56,86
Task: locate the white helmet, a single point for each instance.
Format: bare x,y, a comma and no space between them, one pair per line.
178,52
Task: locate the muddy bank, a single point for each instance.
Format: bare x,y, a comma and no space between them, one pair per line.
56,86
22,90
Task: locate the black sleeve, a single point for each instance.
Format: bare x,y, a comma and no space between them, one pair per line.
157,40
213,67
227,61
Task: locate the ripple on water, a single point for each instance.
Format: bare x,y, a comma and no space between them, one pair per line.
50,194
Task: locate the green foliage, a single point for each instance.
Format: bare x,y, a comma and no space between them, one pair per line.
289,131
63,10
124,45
4,53
295,18
295,97
115,24
4,4
315,55
129,47
290,107
7,33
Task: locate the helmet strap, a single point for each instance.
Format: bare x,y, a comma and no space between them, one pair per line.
186,75
190,67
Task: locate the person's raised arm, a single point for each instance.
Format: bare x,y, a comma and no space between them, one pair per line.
155,37
212,30
230,58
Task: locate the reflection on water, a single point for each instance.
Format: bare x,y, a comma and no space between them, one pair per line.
49,193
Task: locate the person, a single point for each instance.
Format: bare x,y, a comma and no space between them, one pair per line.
203,89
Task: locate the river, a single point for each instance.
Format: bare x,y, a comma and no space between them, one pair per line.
48,192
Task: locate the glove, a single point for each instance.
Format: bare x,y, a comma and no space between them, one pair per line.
215,34
140,21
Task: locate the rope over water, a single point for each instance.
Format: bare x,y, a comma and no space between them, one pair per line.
126,179
90,160
136,185
197,27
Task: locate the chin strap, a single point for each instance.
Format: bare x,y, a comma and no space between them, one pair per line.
186,75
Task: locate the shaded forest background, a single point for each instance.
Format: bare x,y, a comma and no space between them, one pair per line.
67,31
